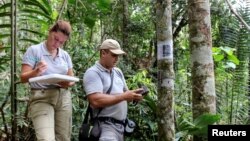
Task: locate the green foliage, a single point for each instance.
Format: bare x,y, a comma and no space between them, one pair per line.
104,5
198,127
44,10
5,26
90,21
4,36
5,6
231,69
4,60
144,112
83,56
36,17
225,53
95,20
89,11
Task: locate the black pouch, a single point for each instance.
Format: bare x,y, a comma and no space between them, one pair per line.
90,131
96,130
84,132
129,127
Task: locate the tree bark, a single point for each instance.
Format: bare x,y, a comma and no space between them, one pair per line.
203,85
125,39
165,105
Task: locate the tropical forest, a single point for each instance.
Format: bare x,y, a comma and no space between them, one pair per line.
193,56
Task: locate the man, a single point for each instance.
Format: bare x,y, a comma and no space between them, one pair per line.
98,80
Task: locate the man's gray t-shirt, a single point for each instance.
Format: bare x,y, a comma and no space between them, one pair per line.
58,65
98,79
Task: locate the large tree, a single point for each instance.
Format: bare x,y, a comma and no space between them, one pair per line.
202,66
166,128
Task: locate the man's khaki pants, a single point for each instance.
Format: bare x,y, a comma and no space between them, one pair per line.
51,114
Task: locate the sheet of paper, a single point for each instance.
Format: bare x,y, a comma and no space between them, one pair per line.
53,78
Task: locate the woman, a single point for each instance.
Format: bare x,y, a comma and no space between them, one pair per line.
50,104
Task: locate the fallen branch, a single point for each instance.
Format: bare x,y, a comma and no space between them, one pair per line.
238,16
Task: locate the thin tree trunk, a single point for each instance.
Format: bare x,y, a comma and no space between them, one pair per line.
203,85
125,32
249,90
165,110
64,4
13,72
125,39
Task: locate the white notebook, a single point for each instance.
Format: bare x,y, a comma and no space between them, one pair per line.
53,78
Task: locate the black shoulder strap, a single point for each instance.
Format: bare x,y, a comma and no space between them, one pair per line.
86,118
111,85
89,109
108,92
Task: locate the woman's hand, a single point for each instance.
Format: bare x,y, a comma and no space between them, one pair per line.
41,67
65,84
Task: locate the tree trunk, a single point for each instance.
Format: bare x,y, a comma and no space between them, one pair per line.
165,110
125,39
203,85
248,90
13,72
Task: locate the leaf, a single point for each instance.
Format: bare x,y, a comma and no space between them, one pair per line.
32,31
216,50
206,119
32,11
185,125
103,5
234,59
37,5
48,5
218,57
5,25
202,122
230,65
54,15
4,35
228,50
5,14
89,21
180,135
2,68
72,1
6,5
26,17
30,40
151,103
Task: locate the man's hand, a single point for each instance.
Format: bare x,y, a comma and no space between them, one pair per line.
133,95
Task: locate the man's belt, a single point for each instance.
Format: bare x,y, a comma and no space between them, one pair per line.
110,119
